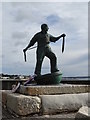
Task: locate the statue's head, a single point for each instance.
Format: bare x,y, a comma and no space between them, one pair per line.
44,27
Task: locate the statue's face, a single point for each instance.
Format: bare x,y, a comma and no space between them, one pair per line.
45,28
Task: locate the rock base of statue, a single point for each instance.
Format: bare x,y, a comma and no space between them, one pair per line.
49,79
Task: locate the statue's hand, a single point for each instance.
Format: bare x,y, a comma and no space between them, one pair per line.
24,50
63,35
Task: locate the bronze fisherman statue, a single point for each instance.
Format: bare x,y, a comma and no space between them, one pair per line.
43,49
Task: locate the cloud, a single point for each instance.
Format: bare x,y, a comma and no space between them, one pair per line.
27,13
19,38
21,16
21,20
78,60
53,19
46,1
19,35
19,43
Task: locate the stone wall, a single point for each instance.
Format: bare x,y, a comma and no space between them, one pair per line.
46,103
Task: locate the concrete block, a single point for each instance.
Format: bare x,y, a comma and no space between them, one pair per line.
83,113
23,105
54,89
52,104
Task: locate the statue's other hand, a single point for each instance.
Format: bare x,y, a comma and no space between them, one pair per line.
63,35
24,50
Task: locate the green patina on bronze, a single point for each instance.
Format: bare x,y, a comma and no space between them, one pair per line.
43,39
49,79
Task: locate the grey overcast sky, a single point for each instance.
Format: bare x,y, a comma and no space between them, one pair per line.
21,20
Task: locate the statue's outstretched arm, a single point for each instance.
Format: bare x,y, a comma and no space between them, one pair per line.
54,39
31,43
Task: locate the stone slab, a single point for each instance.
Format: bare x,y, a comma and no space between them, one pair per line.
54,89
52,104
83,113
64,116
21,104
48,104
4,96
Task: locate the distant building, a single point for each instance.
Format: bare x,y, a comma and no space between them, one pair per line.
21,77
5,77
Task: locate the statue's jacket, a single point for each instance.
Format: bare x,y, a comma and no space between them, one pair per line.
42,40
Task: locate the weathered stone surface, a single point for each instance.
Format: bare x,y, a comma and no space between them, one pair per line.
20,104
83,113
52,104
7,116
4,96
23,105
54,89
